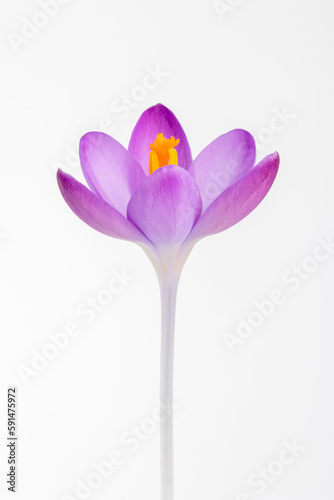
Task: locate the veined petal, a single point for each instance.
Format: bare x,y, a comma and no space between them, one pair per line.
166,206
222,163
95,212
237,201
156,120
109,169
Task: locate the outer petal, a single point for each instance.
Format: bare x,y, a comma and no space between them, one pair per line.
109,169
222,163
96,212
166,206
238,200
156,120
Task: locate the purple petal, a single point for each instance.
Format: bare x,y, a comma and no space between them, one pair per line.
238,200
156,120
166,206
109,169
96,212
222,163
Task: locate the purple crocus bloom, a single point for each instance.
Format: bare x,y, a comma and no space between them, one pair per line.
157,196
167,210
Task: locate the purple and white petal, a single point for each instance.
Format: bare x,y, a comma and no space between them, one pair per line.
95,212
166,206
237,201
109,169
156,120
222,163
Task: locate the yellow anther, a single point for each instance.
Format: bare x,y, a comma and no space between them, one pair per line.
172,156
163,152
154,162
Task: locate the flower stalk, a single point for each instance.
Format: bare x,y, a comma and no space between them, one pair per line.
168,281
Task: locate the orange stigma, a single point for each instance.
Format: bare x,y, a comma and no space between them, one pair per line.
162,153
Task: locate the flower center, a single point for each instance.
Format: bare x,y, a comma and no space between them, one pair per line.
162,153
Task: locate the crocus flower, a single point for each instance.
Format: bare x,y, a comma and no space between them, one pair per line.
155,195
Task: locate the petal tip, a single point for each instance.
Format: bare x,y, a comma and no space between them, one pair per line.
65,182
88,137
277,156
272,160
61,177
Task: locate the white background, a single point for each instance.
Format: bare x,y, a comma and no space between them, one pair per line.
235,410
